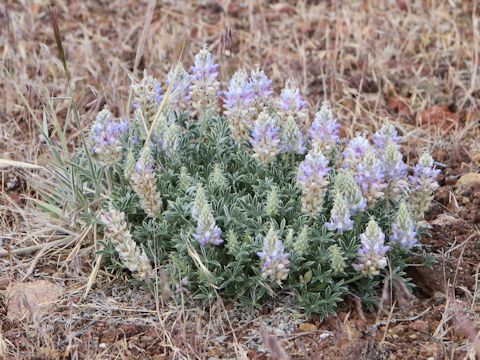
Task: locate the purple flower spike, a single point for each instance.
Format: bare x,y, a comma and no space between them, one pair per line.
265,138
340,216
275,260
371,255
355,150
403,229
324,131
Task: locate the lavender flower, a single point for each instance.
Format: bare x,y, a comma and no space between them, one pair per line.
291,103
392,161
355,150
145,185
204,85
237,103
324,131
275,260
403,229
386,134
180,87
312,180
422,185
261,87
207,231
371,255
345,185
340,215
106,137
394,170
265,138
370,176
292,137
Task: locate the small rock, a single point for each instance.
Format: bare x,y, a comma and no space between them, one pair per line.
146,339
28,299
413,336
468,182
420,326
306,327
465,200
445,219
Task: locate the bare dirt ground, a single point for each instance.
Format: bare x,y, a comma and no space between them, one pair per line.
415,62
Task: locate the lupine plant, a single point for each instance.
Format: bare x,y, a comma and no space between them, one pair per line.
256,202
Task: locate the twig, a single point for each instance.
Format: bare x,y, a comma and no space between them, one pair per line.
33,248
394,321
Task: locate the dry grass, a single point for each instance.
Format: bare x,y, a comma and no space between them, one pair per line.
414,62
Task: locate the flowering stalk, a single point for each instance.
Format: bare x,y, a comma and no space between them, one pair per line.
340,215
345,185
324,131
237,104
217,177
394,169
145,185
422,185
275,260
273,202
261,89
403,229
312,180
132,256
265,138
371,255
179,81
106,137
147,95
337,259
386,134
204,85
292,140
370,177
291,103
207,231
354,152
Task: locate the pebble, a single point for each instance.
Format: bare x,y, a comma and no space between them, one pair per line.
439,297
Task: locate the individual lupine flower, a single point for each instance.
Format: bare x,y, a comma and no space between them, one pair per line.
386,134
145,185
237,104
131,255
203,80
275,260
371,255
370,176
300,246
346,185
312,180
265,138
392,161
403,229
337,259
261,87
355,150
217,177
292,140
291,103
207,232
106,137
273,202
180,86
340,220
324,131
147,95
422,183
